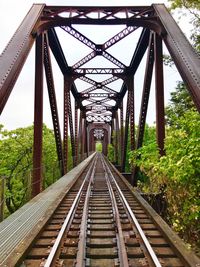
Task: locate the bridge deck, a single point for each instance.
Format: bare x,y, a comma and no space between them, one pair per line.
90,217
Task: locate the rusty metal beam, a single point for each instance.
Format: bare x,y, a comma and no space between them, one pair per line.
132,112
117,139
61,60
135,61
159,92
146,92
85,140
112,130
186,59
98,49
144,102
119,36
121,130
53,103
112,71
38,117
76,132
14,55
67,86
71,128
125,141
107,12
80,133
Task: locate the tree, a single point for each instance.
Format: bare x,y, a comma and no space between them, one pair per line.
16,152
193,7
180,102
177,173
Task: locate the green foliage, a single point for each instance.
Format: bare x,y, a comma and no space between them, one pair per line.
193,7
111,153
180,102
99,147
16,152
189,4
178,173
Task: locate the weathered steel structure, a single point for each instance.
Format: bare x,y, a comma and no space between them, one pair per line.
98,119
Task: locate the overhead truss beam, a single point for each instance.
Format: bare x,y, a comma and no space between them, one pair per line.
99,103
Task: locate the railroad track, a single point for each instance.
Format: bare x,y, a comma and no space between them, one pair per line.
100,223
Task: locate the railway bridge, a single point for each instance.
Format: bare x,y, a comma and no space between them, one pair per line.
92,216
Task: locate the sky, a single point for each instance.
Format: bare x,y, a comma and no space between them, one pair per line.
19,108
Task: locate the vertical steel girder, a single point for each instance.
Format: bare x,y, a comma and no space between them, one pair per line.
67,86
112,130
125,141
159,92
82,135
76,133
105,143
122,131
85,140
38,117
144,101
90,139
132,112
146,92
14,55
71,128
117,140
68,116
79,141
53,103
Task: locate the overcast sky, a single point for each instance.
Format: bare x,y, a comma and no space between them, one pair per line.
19,109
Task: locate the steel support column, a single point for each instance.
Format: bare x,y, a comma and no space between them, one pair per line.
129,115
125,142
146,92
67,86
91,140
117,141
132,112
80,133
38,117
71,128
86,149
112,130
105,144
53,103
76,133
144,101
159,87
121,131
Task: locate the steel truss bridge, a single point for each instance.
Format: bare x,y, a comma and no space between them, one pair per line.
99,109
39,26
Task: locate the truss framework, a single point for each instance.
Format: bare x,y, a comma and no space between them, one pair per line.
102,106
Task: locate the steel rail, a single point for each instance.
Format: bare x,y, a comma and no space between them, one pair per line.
58,240
83,228
150,250
122,247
